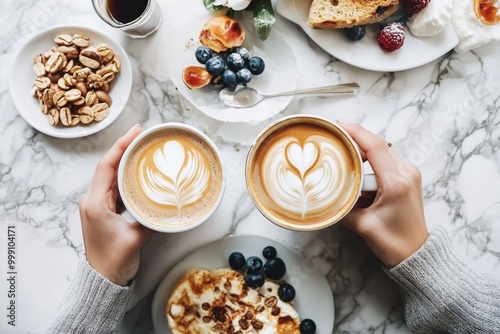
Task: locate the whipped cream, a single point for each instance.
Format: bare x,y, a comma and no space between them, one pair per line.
431,20
471,31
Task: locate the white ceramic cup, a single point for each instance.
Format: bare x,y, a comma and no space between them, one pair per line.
305,173
144,25
170,178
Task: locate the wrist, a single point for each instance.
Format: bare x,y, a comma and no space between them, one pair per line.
112,275
405,248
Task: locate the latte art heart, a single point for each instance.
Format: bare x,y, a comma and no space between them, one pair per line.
177,176
304,178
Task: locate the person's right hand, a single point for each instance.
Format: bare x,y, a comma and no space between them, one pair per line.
391,221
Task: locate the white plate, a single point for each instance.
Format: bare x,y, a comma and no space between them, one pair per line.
366,53
280,73
22,77
313,298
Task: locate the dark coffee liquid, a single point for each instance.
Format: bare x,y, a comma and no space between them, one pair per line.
125,11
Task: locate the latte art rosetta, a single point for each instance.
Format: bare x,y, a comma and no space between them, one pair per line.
304,178
177,175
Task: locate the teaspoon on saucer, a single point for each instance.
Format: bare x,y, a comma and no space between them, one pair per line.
248,97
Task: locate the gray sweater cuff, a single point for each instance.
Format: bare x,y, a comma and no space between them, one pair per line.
442,293
92,304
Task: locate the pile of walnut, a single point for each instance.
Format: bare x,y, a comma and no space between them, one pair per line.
73,80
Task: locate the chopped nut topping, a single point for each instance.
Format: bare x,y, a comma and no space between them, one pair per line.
257,324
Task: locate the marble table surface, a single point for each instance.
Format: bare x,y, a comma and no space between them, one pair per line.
443,117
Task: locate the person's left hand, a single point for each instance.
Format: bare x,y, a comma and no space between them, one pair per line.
112,245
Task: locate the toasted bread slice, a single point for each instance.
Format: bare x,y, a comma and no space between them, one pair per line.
336,14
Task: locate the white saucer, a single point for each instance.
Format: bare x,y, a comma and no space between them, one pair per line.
280,72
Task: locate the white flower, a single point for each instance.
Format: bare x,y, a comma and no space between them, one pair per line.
234,4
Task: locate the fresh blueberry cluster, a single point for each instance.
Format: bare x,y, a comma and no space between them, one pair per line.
232,67
256,271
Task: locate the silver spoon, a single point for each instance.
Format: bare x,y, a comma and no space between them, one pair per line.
248,97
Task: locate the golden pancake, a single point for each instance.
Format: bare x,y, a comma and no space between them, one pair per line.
219,301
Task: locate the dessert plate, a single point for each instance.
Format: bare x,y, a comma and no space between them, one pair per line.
313,298
280,72
366,53
22,77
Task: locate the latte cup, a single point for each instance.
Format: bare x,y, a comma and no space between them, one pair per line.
170,178
305,173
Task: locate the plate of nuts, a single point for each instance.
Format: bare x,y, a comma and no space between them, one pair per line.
70,81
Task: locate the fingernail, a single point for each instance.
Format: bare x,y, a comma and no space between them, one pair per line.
343,122
133,128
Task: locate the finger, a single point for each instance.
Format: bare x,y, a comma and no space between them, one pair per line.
378,153
104,175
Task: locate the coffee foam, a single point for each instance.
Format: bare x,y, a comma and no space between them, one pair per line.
305,174
172,178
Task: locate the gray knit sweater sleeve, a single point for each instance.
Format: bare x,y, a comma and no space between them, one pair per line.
442,293
92,304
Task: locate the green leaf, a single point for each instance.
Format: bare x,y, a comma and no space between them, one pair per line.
264,18
209,4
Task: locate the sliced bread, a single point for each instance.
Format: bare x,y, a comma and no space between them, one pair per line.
336,14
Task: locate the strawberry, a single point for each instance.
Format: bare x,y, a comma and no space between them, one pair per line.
391,37
415,6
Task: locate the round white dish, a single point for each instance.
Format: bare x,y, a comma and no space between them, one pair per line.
313,298
366,53
22,77
280,72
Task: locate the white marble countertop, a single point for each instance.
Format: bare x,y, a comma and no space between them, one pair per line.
443,117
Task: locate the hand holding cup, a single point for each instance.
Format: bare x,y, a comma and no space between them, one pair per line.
112,245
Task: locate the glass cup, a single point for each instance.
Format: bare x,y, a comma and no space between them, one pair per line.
141,26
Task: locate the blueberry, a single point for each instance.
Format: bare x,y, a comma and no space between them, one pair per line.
215,65
243,53
229,78
244,76
269,252
275,268
254,280
254,265
235,62
307,326
286,292
203,54
237,260
355,33
256,65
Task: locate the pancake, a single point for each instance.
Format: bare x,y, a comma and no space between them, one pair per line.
219,301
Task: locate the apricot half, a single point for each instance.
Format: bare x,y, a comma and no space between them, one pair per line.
221,33
196,77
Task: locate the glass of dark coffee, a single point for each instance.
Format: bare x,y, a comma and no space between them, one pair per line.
136,18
